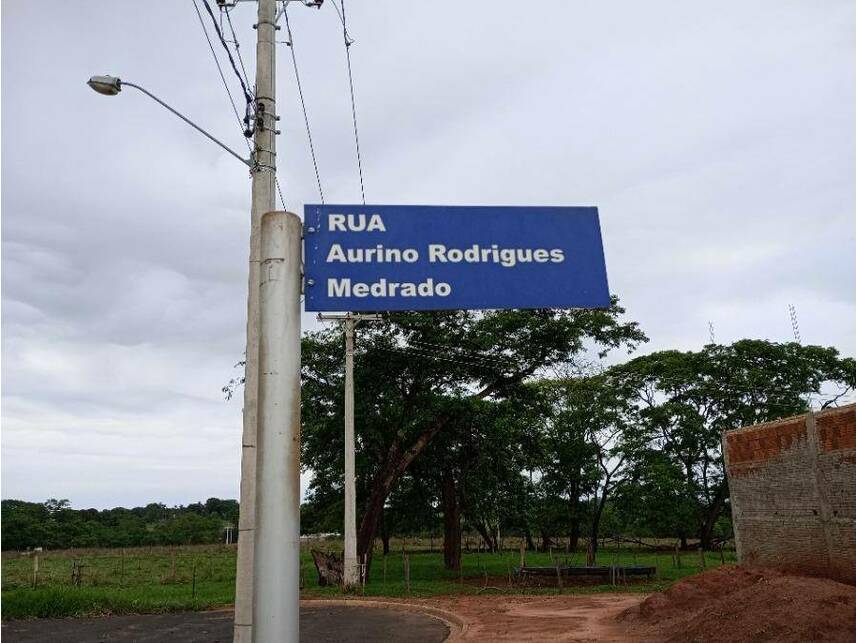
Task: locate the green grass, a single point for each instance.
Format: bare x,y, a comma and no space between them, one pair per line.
141,580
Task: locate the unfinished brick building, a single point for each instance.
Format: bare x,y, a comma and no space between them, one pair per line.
792,488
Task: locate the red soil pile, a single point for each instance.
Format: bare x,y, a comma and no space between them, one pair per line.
738,604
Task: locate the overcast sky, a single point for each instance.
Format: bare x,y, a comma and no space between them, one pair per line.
717,139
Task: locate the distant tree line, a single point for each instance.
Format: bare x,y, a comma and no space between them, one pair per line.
55,525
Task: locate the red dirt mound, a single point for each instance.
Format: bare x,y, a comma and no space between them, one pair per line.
737,604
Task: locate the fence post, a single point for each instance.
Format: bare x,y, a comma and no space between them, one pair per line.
523,555
35,568
407,570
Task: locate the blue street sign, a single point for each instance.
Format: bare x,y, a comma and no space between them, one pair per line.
405,257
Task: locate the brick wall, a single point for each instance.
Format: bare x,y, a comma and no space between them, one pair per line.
792,489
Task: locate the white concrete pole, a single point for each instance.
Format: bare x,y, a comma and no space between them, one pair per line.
263,191
350,565
349,568
276,569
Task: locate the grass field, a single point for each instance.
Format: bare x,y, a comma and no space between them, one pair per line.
160,579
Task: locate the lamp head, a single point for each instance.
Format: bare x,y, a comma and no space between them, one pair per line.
107,85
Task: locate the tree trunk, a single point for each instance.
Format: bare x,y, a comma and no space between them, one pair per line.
596,520
531,546
486,535
547,543
712,514
451,524
574,516
574,536
385,534
328,566
395,464
369,524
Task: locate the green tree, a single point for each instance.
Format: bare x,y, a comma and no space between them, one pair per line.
417,372
586,444
685,400
476,467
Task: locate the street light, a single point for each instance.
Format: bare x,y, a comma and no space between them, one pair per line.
107,85
110,86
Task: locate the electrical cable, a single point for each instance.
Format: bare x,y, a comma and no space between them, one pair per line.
247,95
472,359
727,386
464,352
280,192
291,45
235,42
348,42
413,353
222,76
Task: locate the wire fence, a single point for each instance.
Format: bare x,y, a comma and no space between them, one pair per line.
414,560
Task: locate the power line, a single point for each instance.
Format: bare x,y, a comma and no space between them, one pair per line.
247,95
451,354
341,18
348,42
220,71
751,387
291,45
416,353
466,353
223,10
280,192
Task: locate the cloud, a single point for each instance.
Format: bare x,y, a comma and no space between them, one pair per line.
718,142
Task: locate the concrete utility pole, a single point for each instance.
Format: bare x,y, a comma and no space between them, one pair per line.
267,584
350,576
263,191
276,568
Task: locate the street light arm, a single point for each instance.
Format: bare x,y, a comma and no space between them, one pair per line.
246,162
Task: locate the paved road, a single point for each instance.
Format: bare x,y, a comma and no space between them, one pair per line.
322,624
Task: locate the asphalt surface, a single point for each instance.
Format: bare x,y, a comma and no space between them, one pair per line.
323,624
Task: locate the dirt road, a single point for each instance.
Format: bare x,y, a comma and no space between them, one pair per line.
568,618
